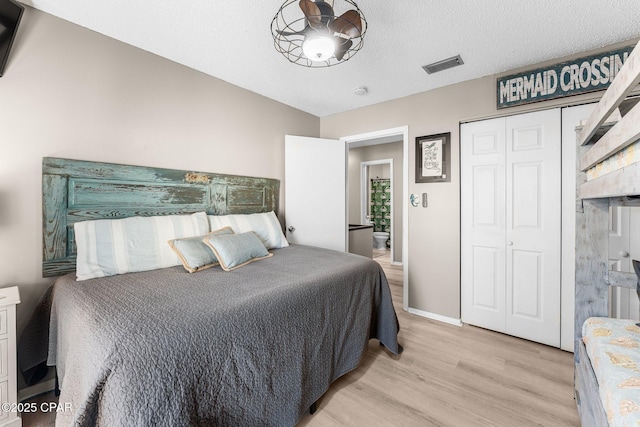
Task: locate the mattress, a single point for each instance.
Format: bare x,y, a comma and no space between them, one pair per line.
254,346
613,346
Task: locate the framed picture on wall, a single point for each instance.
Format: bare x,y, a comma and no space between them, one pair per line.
433,158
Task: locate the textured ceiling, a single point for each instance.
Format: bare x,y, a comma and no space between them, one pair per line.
231,40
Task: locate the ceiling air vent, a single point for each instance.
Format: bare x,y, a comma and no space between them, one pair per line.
443,65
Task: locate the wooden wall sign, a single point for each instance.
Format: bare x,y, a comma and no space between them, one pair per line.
582,75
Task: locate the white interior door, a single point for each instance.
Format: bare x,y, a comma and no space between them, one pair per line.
511,225
315,192
482,151
533,164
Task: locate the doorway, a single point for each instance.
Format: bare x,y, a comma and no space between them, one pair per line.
381,141
301,221
374,204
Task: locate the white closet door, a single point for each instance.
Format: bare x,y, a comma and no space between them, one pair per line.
533,164
482,152
511,225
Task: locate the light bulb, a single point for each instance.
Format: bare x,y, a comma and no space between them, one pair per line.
318,48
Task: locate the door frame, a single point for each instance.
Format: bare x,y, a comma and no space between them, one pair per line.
385,136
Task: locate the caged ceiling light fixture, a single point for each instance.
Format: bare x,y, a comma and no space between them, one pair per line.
318,33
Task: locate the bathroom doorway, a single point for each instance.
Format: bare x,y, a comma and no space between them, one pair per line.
376,203
384,138
381,162
339,194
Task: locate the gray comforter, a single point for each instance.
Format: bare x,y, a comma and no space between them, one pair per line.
255,346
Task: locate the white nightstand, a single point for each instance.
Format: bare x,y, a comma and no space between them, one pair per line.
9,298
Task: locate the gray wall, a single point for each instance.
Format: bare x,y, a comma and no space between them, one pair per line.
377,152
70,92
434,232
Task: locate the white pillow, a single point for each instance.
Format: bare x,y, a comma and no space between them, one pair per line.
265,225
115,246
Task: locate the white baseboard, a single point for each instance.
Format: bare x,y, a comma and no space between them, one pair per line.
434,316
34,390
397,263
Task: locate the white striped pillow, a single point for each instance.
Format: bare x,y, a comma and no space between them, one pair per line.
265,225
116,246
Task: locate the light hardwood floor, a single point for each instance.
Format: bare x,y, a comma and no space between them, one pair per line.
447,376
451,376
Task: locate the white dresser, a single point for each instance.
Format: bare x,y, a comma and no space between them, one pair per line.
9,298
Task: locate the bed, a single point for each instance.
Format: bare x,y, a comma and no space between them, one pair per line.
254,343
608,174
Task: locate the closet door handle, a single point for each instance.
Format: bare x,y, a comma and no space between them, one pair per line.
510,243
291,229
624,254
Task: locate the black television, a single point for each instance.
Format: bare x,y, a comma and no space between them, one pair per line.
10,15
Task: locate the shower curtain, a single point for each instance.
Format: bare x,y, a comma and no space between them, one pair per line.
380,212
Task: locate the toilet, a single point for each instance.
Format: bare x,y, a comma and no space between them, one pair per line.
380,239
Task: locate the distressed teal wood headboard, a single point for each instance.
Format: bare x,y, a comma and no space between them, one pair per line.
74,190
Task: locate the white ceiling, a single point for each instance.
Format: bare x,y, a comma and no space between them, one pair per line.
231,40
